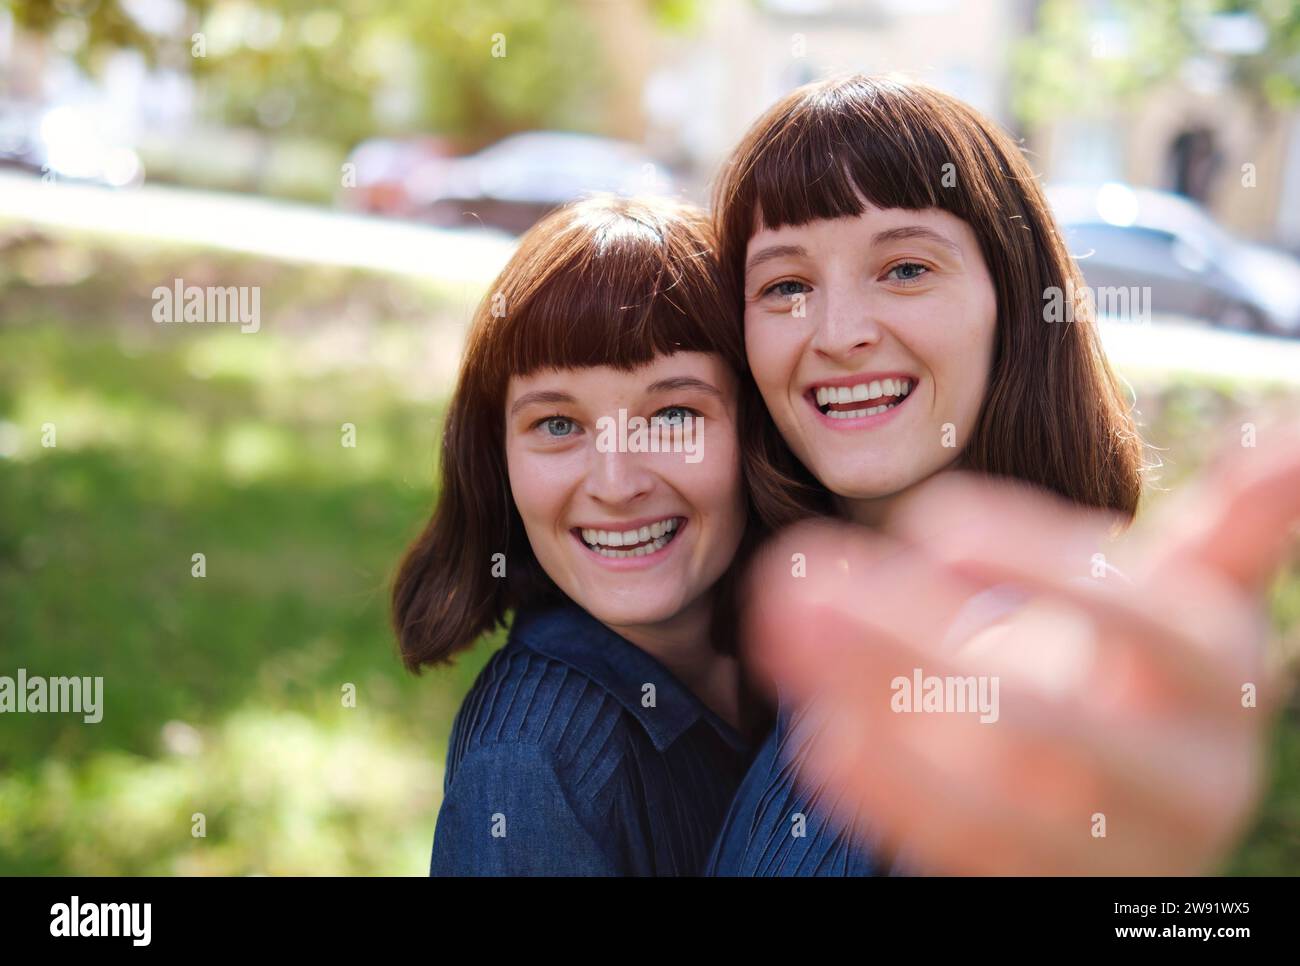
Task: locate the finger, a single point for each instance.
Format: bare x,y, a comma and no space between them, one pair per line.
1240,520
992,532
1154,649
1041,676
961,513
940,779
1183,634
828,563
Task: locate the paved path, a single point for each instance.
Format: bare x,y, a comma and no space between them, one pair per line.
258,226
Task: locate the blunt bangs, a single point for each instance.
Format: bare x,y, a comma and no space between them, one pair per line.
613,283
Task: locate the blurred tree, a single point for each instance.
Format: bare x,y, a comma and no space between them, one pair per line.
1085,57
472,71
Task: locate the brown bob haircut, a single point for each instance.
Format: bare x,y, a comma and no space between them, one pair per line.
1054,415
605,281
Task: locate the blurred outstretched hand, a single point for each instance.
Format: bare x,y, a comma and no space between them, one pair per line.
1124,711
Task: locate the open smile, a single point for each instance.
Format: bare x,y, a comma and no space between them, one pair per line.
859,403
638,540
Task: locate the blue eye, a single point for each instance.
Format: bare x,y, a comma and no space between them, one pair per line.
781,288
678,415
908,271
558,426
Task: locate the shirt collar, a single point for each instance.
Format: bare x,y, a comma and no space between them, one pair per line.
572,636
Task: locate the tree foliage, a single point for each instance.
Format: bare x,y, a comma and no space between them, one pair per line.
1085,62
354,68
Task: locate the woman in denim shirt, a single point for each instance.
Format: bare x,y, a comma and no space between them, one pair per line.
918,247
591,482
902,284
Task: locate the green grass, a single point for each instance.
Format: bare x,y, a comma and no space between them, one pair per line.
223,693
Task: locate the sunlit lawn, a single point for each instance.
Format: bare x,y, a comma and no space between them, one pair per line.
223,693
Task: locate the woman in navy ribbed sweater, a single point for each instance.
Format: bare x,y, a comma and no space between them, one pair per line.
591,483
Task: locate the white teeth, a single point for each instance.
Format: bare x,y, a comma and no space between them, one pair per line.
643,551
838,395
651,538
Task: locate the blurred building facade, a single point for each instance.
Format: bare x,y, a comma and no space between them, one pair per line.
691,97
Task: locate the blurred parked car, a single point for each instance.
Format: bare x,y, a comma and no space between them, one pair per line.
385,172
513,183
1133,237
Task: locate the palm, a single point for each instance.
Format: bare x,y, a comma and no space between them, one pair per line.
1126,740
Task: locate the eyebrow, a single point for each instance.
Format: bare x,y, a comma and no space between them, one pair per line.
914,231
553,397
774,251
679,383
549,396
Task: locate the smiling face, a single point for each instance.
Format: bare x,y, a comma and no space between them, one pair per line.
635,538
871,340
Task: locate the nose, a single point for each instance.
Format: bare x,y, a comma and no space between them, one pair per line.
848,326
617,479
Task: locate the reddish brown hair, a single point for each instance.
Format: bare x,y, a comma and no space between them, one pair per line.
1054,414
603,282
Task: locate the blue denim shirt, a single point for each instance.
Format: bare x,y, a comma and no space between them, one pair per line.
778,827
577,753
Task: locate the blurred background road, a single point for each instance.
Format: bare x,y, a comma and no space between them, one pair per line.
367,166
254,225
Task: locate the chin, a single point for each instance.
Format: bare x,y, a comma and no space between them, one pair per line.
615,613
861,482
